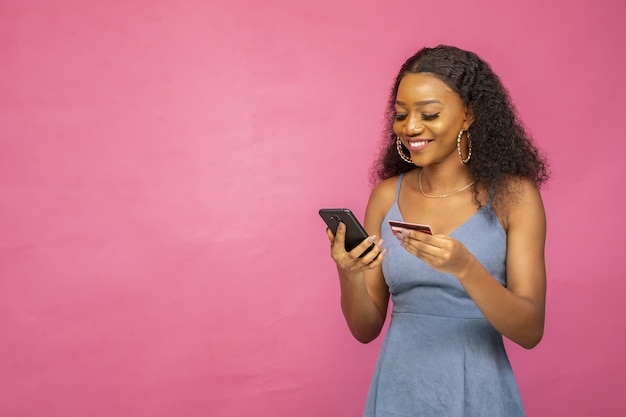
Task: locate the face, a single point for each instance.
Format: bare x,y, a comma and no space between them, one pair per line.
428,118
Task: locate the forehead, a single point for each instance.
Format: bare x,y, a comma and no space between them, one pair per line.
425,86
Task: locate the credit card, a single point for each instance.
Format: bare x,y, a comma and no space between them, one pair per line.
396,226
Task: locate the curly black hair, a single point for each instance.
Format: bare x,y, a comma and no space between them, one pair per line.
501,147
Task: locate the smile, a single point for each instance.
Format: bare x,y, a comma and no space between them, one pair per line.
416,144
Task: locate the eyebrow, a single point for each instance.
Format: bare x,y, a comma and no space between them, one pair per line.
420,103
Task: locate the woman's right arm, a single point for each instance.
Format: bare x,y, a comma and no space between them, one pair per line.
364,293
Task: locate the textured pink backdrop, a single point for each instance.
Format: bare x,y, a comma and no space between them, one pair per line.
161,167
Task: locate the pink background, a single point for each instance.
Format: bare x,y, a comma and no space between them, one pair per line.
161,168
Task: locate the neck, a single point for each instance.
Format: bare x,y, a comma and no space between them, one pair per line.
442,183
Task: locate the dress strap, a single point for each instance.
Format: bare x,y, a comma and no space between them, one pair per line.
492,194
398,187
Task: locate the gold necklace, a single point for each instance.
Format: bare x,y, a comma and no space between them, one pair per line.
419,178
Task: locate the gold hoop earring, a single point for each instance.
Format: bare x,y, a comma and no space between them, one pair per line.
469,146
405,158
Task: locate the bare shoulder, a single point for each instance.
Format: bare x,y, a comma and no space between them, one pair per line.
523,203
386,189
383,194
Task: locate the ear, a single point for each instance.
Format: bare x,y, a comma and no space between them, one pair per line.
469,118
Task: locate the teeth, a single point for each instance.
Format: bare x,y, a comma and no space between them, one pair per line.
418,143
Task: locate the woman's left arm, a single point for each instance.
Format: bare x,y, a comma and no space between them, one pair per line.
518,310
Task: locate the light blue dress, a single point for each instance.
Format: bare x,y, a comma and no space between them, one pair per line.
440,356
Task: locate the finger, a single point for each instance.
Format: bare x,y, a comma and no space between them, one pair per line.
358,251
340,235
379,259
421,236
400,234
375,259
330,235
426,251
416,247
421,240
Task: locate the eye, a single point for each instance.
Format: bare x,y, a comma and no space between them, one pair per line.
399,116
430,116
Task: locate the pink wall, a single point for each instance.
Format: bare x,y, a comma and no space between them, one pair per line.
161,167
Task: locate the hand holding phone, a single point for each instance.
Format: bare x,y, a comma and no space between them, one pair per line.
355,232
397,226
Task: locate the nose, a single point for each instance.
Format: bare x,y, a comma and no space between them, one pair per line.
413,125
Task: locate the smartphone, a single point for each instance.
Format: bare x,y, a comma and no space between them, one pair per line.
395,225
355,232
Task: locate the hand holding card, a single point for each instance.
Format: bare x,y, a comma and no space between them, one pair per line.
396,226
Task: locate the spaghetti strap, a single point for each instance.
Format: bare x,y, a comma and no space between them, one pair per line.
492,194
398,187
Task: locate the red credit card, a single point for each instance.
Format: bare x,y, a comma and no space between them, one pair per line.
396,225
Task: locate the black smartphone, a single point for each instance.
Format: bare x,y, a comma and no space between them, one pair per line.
355,232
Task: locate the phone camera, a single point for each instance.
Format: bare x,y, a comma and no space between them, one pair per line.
335,218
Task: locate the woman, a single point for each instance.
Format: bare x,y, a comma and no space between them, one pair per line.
458,159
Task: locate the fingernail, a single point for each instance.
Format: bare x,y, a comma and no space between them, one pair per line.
371,239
